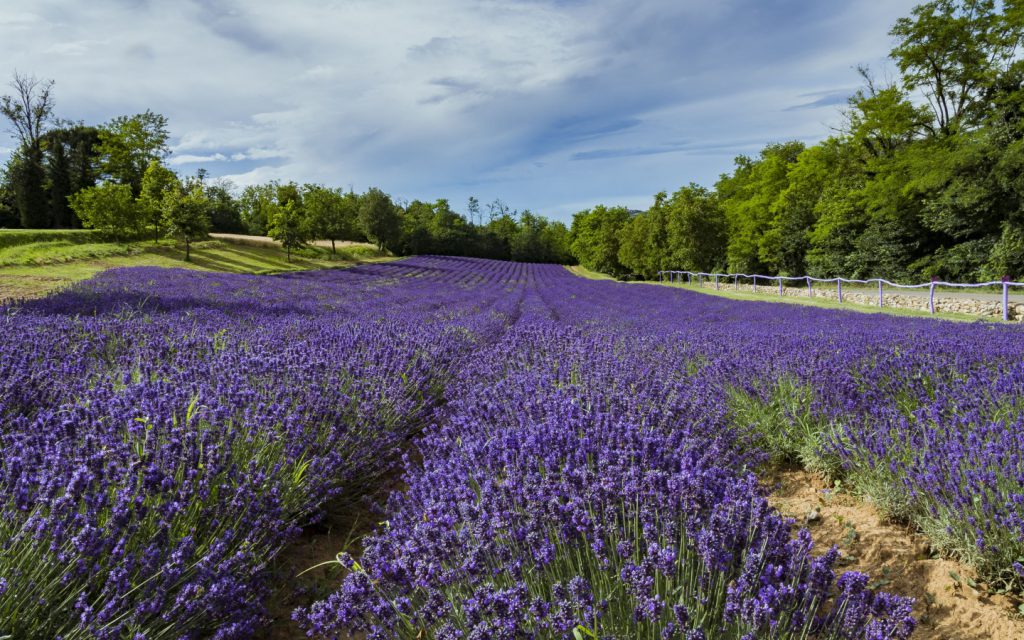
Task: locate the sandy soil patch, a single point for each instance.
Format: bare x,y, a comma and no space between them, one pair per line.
898,560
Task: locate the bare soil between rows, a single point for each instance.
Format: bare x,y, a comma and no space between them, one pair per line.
899,560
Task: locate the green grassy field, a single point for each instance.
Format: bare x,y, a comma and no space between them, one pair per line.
583,272
826,304
34,263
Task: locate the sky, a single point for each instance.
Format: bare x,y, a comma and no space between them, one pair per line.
553,106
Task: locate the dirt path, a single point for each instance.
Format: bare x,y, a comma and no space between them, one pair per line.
898,560
300,584
265,241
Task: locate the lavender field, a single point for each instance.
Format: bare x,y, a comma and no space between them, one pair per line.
574,459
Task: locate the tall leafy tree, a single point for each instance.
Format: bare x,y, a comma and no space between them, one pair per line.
187,214
71,165
644,247
473,207
109,207
256,203
596,234
159,184
286,225
697,230
30,112
225,209
128,144
380,219
330,213
951,51
747,198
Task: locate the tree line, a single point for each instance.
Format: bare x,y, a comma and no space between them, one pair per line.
925,176
114,178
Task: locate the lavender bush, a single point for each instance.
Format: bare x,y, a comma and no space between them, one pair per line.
579,456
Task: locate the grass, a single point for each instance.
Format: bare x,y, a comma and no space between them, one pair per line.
584,272
14,237
825,304
37,267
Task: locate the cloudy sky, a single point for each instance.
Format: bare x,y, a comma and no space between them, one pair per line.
549,105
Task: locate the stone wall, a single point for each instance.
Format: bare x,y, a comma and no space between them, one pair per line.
890,298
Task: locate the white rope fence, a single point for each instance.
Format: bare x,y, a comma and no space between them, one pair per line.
677,276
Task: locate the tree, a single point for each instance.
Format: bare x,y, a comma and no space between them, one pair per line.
473,207
697,231
450,233
70,164
644,248
225,210
596,234
881,121
380,219
747,198
187,215
109,207
158,184
27,177
8,210
416,229
286,225
128,144
255,204
330,213
952,51
30,111
497,209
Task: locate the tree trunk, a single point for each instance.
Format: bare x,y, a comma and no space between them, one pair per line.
333,251
188,253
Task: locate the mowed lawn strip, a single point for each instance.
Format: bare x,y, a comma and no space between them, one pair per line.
583,272
49,261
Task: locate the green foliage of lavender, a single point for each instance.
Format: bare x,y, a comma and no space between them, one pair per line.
166,434
581,466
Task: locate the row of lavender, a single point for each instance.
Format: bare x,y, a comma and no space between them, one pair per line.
925,418
583,480
165,433
586,475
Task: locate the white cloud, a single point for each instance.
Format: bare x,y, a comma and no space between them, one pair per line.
178,160
454,97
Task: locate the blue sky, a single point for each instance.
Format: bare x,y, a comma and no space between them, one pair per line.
552,106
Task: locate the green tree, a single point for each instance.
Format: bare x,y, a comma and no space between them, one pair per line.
330,213
596,234
416,229
158,184
449,232
379,219
951,51
128,144
225,209
30,112
644,247
70,167
187,214
8,210
255,204
697,230
747,198
109,207
286,225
